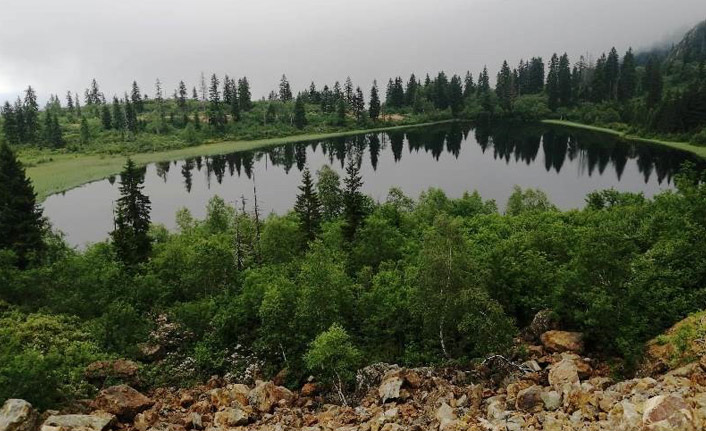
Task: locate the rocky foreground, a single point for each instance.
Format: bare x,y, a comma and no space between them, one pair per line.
557,389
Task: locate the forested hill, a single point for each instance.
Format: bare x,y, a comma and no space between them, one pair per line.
649,95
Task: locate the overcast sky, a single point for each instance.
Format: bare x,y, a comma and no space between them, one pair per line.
56,45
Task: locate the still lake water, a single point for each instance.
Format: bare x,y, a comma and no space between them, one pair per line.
566,164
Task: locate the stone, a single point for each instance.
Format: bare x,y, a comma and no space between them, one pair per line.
532,365
668,412
563,373
551,400
93,422
390,388
196,421
230,396
146,420
186,399
17,415
512,390
562,341
446,416
121,369
265,396
231,417
309,390
530,400
122,401
624,416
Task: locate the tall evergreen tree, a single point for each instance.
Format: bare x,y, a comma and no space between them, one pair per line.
182,95
504,87
535,76
469,87
85,132
21,221
612,72
30,116
455,95
374,109
131,122
136,98
216,115
10,127
285,90
106,118
358,104
564,81
483,82
441,91
160,108
118,116
411,91
353,199
132,217
244,101
341,112
628,77
52,131
70,104
299,113
308,207
348,92
553,83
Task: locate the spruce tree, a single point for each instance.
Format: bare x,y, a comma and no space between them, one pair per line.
455,94
70,104
308,207
535,76
348,92
21,221
181,96
653,82
106,118
131,122
341,112
10,127
374,109
553,83
85,132
612,72
244,94
216,115
132,218
299,113
628,77
410,93
30,116
136,98
358,104
285,91
483,82
118,116
504,87
469,87
353,199
564,81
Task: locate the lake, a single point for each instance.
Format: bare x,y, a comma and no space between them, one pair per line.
566,164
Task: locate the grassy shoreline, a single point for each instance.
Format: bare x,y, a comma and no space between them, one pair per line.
67,171
683,146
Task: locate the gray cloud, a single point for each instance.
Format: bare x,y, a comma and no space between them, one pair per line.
60,45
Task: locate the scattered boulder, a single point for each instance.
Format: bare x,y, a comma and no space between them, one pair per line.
446,416
562,374
309,390
542,322
122,401
390,388
98,421
530,400
562,341
551,400
119,369
232,417
230,396
265,396
668,412
17,415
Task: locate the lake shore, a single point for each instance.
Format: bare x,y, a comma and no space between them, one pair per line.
67,171
683,146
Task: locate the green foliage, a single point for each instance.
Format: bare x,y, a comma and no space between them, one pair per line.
333,356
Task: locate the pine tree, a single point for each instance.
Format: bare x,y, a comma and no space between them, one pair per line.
244,94
535,76
358,104
216,115
341,112
411,91
30,116
504,87
469,87
52,131
132,218
299,113
159,102
599,87
118,116
612,72
136,98
21,222
553,83
564,81
308,207
85,131
483,82
10,127
353,199
441,91
455,94
194,95
106,118
181,96
374,109
78,105
70,104
131,122
285,91
628,77
348,92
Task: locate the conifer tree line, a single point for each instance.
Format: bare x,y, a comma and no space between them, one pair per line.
646,94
